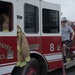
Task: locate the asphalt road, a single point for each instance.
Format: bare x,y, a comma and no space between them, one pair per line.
70,71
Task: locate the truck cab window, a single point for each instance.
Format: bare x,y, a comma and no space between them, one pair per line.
50,21
31,19
6,16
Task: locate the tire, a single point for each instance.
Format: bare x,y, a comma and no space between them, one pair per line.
17,71
43,70
32,68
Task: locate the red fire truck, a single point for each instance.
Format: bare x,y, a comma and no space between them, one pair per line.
40,21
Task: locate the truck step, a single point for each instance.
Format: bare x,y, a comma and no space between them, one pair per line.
69,64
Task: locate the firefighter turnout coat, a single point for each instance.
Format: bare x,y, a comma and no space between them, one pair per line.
22,48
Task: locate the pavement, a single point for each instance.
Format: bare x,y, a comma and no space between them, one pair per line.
70,71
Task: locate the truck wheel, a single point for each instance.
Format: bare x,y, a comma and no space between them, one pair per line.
32,68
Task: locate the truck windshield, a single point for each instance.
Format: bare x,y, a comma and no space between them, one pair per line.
6,16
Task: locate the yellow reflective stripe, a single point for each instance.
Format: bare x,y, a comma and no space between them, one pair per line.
19,34
18,64
18,48
5,30
27,59
23,64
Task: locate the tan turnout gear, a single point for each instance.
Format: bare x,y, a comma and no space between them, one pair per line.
5,24
23,48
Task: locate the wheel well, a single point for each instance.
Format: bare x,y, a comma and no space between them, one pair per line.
41,60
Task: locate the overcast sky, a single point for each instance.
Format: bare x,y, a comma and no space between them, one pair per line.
67,8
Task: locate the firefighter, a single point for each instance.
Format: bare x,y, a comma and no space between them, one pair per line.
5,24
23,56
22,48
67,41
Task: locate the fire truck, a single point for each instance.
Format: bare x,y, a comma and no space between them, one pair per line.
40,21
